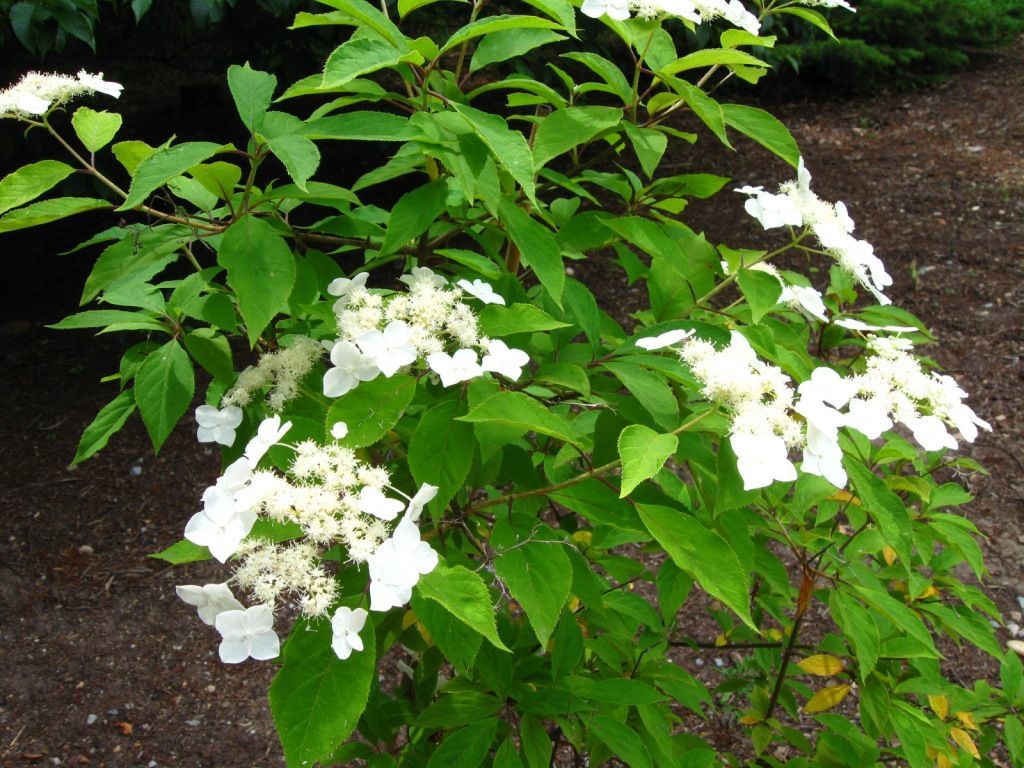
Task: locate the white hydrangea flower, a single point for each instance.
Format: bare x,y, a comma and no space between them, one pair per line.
461,366
423,496
481,290
209,600
372,501
666,339
37,92
248,633
761,459
339,430
613,9
857,325
346,624
268,434
397,565
423,276
390,349
350,367
343,286
508,361
806,299
217,425
221,535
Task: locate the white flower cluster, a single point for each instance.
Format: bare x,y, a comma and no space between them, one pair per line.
696,11
334,499
380,335
892,389
281,370
795,205
36,92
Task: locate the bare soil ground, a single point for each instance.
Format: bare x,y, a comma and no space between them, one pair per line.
104,666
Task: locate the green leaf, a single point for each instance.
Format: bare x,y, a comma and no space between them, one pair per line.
95,129
567,128
460,708
252,91
536,743
100,318
182,552
130,154
361,56
508,147
413,214
620,739
519,410
467,747
508,44
761,290
212,351
507,757
814,17
441,451
405,7
164,387
136,258
651,390
537,246
361,126
498,23
538,575
316,698
884,507
614,690
649,145
763,128
261,271
162,166
607,71
703,554
46,211
108,421
298,154
463,594
457,642
219,178
372,408
496,320
704,107
28,183
644,452
710,57
362,14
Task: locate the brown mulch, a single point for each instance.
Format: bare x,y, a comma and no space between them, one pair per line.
104,666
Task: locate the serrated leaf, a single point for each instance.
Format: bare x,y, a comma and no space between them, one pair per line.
46,211
538,575
463,594
965,742
212,351
508,44
95,129
538,248
763,128
458,642
643,452
316,698
509,147
413,214
164,387
517,409
108,421
29,182
821,664
261,271
467,747
298,155
372,408
884,507
361,125
620,739
761,290
182,552
252,91
704,554
441,451
361,56
566,128
827,698
163,165
497,23
496,320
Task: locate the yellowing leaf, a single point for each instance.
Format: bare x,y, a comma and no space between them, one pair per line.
939,705
750,720
584,537
967,720
930,591
827,698
966,743
889,554
721,640
408,619
844,496
821,664
774,634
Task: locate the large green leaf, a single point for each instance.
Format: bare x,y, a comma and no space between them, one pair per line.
496,320
519,410
763,128
95,129
361,56
620,739
297,154
441,451
458,642
651,391
137,257
108,421
46,211
29,182
508,44
884,507
316,698
162,166
413,214
212,351
261,271
566,128
607,71
643,452
359,13
489,24
538,574
508,147
538,248
463,594
362,125
711,57
164,387
372,408
467,747
252,91
703,554
761,290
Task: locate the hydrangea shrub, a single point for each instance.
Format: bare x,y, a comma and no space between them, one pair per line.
477,518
